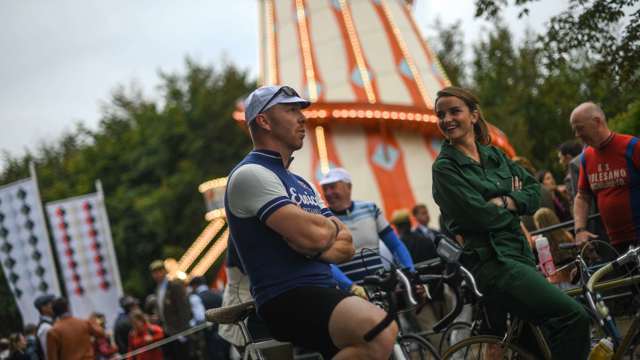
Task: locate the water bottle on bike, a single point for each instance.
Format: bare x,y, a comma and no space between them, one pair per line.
602,351
544,255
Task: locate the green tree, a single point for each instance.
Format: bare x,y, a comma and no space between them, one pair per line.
450,49
608,31
627,122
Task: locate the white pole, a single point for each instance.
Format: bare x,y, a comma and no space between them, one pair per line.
34,176
109,238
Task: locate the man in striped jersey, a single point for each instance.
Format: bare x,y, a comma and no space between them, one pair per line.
285,240
368,226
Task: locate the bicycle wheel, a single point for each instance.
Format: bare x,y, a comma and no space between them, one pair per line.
454,333
485,347
414,347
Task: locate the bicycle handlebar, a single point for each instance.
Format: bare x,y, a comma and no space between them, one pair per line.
407,287
467,275
629,256
388,284
569,245
451,278
390,279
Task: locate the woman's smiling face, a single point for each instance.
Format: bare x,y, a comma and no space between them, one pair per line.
455,119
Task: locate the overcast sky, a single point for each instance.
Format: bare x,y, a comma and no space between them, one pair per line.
61,59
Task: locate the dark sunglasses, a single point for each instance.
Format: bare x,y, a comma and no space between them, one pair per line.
287,90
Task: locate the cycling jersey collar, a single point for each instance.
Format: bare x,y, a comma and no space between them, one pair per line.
606,141
272,156
345,211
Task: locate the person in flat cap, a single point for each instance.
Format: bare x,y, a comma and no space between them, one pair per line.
122,325
173,308
43,304
286,238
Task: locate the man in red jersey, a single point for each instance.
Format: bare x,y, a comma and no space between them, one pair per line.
609,171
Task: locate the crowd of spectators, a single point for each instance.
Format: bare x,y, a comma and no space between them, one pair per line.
172,308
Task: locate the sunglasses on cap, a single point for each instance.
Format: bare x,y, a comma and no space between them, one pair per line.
287,90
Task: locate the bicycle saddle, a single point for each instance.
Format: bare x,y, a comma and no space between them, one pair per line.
230,314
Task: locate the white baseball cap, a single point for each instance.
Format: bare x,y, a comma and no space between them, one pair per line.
261,99
335,175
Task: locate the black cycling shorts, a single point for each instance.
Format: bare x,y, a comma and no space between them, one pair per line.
301,316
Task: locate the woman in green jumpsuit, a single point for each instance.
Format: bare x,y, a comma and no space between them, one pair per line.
481,195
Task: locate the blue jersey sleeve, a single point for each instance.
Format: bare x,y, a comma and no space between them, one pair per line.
397,248
343,281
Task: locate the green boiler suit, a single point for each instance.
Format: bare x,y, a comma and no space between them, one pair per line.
496,250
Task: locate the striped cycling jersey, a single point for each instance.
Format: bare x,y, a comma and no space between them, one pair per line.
257,187
368,226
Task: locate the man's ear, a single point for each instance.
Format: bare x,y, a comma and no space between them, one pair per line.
263,121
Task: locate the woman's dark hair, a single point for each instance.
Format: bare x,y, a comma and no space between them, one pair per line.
480,128
540,175
525,164
572,148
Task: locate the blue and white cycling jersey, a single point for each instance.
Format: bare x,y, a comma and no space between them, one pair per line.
368,226
257,187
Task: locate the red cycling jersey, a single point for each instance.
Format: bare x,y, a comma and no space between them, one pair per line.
612,174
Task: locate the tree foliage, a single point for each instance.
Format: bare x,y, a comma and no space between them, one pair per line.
150,156
628,122
449,47
607,31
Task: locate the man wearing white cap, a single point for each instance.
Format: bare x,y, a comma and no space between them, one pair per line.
286,238
368,226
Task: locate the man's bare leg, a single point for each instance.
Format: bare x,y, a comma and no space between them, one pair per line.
352,318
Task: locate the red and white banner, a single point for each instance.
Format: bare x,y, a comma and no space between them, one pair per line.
25,252
81,233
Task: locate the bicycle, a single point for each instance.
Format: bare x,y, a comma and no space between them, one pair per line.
489,347
408,345
479,320
629,345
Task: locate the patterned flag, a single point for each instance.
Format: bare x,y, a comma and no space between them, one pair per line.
80,229
25,252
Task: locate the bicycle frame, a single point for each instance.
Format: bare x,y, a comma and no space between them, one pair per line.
621,344
514,329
